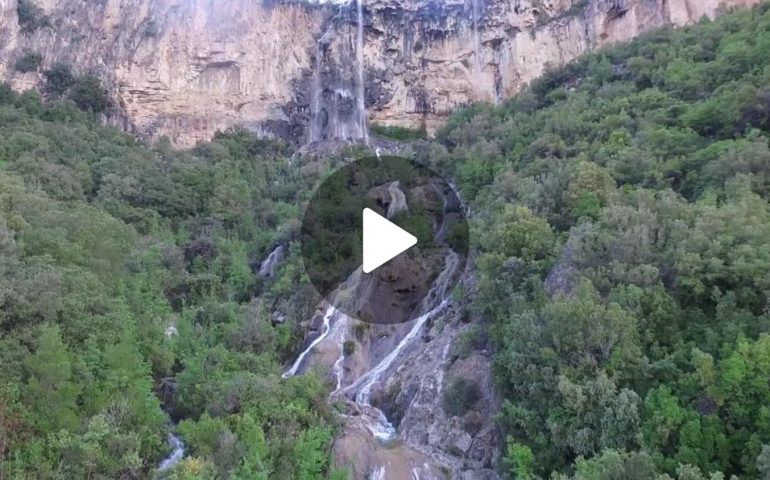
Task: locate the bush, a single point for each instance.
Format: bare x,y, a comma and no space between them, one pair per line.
30,62
59,79
86,91
360,330
460,395
398,133
348,348
7,95
31,17
89,94
474,338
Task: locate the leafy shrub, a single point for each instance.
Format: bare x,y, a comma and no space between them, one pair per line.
30,62
31,17
348,348
59,79
86,91
151,29
460,395
397,133
474,338
89,94
360,330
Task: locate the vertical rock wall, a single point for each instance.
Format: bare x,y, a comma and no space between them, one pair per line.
187,68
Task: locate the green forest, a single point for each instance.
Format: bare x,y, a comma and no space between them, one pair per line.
105,243
622,233
621,250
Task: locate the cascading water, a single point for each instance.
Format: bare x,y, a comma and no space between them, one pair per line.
267,267
337,327
363,386
316,123
325,329
476,41
338,335
338,105
360,94
177,454
397,200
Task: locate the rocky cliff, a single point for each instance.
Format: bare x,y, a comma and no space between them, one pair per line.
187,68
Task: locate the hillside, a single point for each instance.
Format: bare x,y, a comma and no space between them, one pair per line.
623,238
129,282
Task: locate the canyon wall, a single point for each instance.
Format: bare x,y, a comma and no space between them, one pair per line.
187,68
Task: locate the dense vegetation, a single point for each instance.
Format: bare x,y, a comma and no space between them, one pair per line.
623,239
127,285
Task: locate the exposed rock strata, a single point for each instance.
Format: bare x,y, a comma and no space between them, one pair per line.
187,68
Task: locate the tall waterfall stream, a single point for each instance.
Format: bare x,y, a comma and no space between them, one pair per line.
336,327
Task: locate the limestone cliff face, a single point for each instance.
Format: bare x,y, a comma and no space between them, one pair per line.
186,68
181,68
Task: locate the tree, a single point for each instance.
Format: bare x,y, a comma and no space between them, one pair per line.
59,79
51,391
89,94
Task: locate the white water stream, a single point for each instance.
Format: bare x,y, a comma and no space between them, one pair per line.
397,200
316,128
476,40
360,94
325,329
176,455
336,328
268,265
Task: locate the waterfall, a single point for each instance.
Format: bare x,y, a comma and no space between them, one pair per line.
378,474
444,356
476,36
336,328
339,334
441,230
360,98
316,121
397,200
382,428
267,267
338,106
176,455
325,329
372,377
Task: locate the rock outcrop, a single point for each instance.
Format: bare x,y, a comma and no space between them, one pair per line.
187,68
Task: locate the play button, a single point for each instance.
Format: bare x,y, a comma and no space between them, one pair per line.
383,240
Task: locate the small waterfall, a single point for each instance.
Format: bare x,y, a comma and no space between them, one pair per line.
339,334
382,428
267,267
372,377
360,94
397,200
378,474
440,374
336,328
476,41
441,230
325,329
176,455
316,120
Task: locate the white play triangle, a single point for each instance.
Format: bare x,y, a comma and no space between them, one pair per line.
383,240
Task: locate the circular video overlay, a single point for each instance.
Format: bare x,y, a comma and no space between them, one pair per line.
385,240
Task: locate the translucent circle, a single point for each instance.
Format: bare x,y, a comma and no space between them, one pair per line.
413,197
